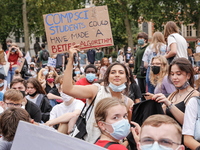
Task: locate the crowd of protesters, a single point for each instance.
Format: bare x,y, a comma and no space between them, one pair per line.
112,96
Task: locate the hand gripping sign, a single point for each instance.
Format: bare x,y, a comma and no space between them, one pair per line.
88,27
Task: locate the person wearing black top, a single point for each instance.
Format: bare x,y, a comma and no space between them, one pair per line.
50,86
30,107
37,95
134,90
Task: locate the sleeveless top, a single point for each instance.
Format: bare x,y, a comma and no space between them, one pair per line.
181,105
93,132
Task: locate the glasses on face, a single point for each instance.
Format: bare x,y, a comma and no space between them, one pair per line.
156,64
162,142
13,105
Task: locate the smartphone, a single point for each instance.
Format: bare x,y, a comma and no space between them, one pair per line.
144,94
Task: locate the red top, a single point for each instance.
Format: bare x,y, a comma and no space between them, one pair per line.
102,143
83,82
13,58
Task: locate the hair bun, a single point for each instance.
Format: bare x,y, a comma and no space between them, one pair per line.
17,72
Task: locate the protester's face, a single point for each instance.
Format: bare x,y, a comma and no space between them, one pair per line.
18,86
105,62
31,65
90,70
114,114
9,103
30,88
166,132
117,75
178,76
156,62
77,69
130,62
50,76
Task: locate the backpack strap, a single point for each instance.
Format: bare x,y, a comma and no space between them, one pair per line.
198,108
110,143
172,95
188,96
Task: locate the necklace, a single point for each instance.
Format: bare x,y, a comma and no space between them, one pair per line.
187,90
183,92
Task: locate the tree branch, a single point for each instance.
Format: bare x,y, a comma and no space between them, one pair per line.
185,10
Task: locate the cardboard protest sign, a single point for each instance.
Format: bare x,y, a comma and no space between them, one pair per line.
88,27
20,63
2,57
51,62
197,57
32,137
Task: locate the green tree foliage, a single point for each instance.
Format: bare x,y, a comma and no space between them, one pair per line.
180,11
10,18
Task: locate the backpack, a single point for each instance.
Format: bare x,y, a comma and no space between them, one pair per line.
45,55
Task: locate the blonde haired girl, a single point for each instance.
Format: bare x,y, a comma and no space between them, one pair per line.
112,119
159,78
156,47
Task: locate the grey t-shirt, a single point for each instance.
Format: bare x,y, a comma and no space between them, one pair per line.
5,145
83,57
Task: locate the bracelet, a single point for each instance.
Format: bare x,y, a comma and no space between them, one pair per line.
170,106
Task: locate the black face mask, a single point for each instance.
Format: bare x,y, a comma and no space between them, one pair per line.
23,93
131,65
155,69
33,95
32,68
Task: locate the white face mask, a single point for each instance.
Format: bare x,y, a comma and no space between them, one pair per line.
65,97
129,49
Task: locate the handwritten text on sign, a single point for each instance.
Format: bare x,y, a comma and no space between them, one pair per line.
88,27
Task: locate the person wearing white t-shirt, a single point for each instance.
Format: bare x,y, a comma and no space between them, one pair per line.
198,49
69,105
176,44
65,112
190,119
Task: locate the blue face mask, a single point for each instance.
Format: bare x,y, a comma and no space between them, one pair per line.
77,72
90,77
45,72
117,88
198,43
141,41
155,146
2,84
120,129
75,64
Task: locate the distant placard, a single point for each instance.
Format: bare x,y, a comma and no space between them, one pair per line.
20,63
51,62
197,57
88,27
32,137
2,57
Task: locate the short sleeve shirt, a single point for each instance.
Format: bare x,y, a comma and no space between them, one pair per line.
190,117
150,53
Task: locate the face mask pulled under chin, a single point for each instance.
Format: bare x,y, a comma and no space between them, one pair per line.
65,97
116,88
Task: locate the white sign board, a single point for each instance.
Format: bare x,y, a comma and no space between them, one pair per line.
32,137
51,62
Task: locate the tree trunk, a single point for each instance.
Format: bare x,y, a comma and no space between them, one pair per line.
198,28
129,32
26,30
